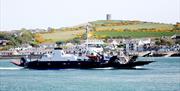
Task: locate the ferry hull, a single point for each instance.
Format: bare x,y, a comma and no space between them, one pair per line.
78,64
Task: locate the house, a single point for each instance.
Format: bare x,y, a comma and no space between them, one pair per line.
69,45
3,42
130,45
136,44
22,47
37,30
5,53
144,44
48,45
176,38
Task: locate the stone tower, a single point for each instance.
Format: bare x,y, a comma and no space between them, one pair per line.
108,16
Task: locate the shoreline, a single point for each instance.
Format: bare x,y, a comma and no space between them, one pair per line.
19,56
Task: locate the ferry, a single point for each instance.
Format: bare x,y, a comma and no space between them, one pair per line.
58,59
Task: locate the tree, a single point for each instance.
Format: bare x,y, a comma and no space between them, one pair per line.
76,40
59,43
25,36
39,38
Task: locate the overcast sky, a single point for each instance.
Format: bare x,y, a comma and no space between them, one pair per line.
17,14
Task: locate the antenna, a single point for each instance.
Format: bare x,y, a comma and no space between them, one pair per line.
88,26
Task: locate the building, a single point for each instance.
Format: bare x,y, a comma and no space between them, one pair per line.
130,45
108,17
134,45
48,45
3,42
176,38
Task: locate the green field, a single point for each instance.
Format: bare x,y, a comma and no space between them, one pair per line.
61,35
112,28
134,34
138,26
130,25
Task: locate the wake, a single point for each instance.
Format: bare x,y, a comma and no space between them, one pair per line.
138,67
11,68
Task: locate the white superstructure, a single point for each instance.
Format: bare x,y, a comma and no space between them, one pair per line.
60,55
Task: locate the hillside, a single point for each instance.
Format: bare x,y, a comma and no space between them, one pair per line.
60,35
103,25
114,28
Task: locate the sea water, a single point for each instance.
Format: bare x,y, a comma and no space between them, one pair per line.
162,75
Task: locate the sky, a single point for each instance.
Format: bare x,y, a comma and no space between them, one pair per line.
31,14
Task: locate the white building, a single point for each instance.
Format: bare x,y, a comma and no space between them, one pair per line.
94,45
136,44
48,45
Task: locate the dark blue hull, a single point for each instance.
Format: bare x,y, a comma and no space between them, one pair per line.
79,64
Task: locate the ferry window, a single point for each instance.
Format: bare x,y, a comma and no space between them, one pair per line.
91,45
94,45
98,46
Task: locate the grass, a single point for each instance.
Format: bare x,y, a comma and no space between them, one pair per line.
134,34
61,35
139,26
130,25
68,35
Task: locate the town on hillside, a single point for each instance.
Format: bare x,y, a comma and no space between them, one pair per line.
132,37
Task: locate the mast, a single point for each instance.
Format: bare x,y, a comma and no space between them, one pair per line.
87,30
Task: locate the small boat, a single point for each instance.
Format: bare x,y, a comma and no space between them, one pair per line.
58,59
